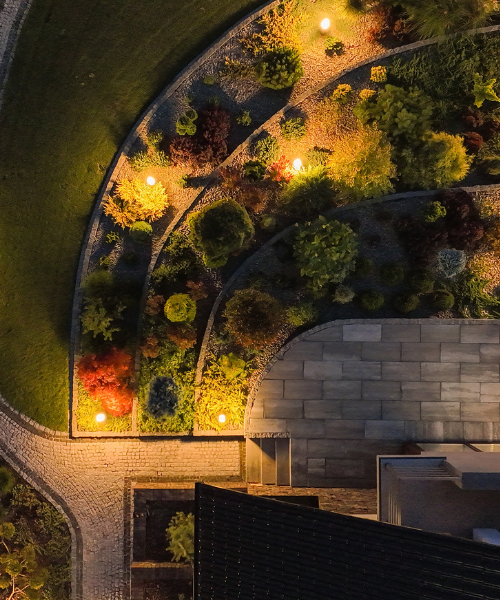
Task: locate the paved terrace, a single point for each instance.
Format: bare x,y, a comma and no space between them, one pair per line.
348,390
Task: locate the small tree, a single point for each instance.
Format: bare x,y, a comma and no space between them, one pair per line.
135,200
180,536
20,573
325,252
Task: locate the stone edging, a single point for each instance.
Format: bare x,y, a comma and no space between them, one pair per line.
304,335
7,54
110,179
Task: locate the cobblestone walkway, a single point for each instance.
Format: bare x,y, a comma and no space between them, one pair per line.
91,479
348,390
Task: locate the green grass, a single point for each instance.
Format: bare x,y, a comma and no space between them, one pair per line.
82,73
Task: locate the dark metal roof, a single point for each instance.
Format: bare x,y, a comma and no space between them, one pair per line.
252,548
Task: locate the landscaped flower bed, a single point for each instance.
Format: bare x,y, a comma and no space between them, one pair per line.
368,134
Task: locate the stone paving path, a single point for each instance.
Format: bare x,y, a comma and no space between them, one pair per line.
348,390
90,480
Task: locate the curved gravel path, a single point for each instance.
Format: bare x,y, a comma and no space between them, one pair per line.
90,481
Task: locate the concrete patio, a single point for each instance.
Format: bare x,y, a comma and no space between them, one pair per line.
348,390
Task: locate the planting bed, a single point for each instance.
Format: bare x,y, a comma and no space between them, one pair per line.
394,125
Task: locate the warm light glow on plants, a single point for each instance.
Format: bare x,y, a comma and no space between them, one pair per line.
325,24
100,418
222,418
150,180
297,164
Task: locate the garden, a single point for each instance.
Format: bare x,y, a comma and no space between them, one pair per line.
35,543
363,188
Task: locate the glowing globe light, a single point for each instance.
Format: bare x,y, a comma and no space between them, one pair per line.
222,418
325,24
297,164
100,418
150,180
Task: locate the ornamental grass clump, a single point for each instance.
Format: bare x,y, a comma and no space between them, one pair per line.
253,318
325,252
280,68
220,229
135,200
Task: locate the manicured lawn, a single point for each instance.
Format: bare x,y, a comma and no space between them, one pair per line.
83,72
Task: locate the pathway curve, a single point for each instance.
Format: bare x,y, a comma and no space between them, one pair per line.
348,390
90,481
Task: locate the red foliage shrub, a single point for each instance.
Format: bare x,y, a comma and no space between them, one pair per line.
183,335
190,151
106,378
390,25
490,127
422,240
214,124
462,221
232,177
282,170
473,141
252,196
472,117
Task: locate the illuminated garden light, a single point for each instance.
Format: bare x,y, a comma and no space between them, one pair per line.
150,180
325,24
100,418
222,418
297,164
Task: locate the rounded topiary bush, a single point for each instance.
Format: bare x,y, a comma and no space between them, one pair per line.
98,284
371,300
343,294
253,318
163,397
442,300
280,69
141,232
421,281
301,313
220,229
405,303
179,308
363,267
391,274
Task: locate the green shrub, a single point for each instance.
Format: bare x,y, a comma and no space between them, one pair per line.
98,284
163,397
231,366
179,308
293,129
152,157
130,258
362,166
333,46
325,252
421,281
448,16
341,94
280,69
343,294
363,267
180,537
104,262
253,318
244,118
371,300
183,181
100,320
309,191
317,157
442,300
219,229
141,232
378,74
254,170
483,90
267,149
432,211
112,237
135,200
185,125
472,302
210,79
301,314
451,262
236,69
404,116
7,480
439,162
391,273
405,303
268,222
